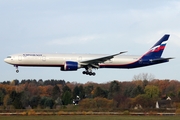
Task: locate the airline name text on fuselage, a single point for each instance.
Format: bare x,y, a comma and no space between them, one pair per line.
25,55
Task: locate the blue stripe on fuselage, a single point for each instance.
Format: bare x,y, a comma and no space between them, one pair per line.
139,63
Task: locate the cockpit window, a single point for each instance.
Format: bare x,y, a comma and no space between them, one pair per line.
8,56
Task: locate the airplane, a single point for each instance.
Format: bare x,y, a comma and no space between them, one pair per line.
73,62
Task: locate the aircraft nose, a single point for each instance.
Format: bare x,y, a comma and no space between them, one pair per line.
6,60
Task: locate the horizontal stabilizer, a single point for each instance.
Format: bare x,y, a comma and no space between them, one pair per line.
161,59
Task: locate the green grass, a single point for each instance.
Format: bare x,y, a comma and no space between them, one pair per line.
90,117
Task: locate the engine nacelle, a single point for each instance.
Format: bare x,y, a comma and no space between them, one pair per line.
70,66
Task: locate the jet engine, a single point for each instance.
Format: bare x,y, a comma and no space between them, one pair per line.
70,66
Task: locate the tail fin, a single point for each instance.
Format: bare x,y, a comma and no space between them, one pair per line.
157,50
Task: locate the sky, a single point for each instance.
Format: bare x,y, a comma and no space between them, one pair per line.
94,26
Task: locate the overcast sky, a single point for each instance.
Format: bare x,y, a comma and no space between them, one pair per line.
94,26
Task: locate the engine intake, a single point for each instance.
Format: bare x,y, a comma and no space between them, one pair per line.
70,66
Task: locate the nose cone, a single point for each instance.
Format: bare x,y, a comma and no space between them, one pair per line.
6,60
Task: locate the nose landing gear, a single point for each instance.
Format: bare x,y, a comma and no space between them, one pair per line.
17,71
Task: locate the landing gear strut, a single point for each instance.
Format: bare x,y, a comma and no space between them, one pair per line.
88,71
16,69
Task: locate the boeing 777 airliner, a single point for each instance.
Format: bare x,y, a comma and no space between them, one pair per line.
73,62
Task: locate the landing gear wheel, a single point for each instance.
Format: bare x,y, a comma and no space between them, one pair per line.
89,73
17,71
92,73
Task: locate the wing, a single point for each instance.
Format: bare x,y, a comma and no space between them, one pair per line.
100,60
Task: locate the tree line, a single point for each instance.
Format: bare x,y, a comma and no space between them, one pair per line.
57,94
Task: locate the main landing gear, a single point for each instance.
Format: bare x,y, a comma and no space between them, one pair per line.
16,69
88,71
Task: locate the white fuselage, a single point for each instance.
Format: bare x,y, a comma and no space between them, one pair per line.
58,60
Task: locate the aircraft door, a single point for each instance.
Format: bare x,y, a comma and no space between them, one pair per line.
43,58
20,58
80,58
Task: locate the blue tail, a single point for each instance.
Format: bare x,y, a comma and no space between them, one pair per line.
156,51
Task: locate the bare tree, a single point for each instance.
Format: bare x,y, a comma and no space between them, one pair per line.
144,76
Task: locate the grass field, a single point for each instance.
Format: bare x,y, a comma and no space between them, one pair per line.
89,117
